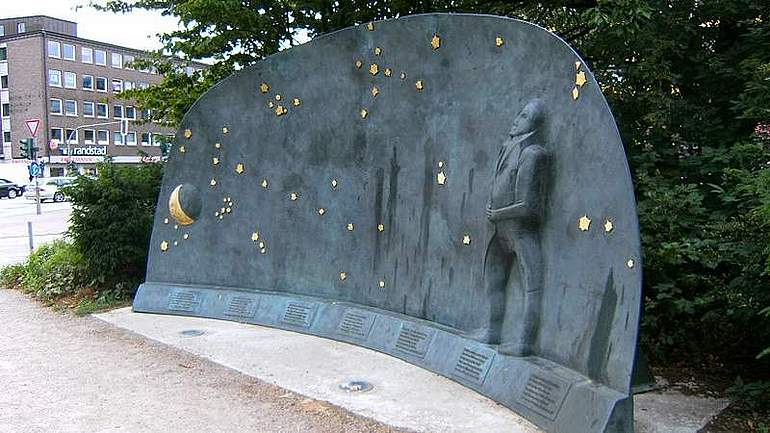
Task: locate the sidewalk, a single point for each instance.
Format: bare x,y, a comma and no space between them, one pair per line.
71,375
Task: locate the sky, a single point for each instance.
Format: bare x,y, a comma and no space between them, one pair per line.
135,30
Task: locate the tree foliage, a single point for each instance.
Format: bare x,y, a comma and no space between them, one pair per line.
689,83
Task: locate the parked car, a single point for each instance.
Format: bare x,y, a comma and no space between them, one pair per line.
50,188
10,189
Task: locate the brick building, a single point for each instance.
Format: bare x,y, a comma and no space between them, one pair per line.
71,84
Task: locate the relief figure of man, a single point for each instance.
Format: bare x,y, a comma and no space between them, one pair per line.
513,265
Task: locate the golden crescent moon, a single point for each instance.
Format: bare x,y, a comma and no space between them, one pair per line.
175,208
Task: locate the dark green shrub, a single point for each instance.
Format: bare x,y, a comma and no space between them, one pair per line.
11,276
111,222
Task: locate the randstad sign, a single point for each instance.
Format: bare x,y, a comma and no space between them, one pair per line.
86,151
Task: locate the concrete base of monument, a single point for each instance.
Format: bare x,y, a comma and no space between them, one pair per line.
403,396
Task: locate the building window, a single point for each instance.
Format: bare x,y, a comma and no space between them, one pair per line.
4,82
55,106
72,136
89,136
128,61
57,134
2,30
101,84
5,109
86,55
88,82
6,134
131,113
68,52
100,57
88,109
102,110
70,107
70,80
116,60
131,139
21,27
117,138
117,111
54,49
146,114
54,78
146,139
117,86
3,53
103,137
128,85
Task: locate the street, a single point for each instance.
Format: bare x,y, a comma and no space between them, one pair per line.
14,215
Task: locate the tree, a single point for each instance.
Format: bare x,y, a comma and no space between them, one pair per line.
688,83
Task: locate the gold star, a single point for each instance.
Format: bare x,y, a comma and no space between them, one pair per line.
222,210
370,26
334,183
294,196
217,145
181,149
264,88
575,92
261,244
403,75
499,41
264,183
343,276
419,85
215,160
441,164
608,226
279,111
164,246
377,51
239,168
630,263
435,42
381,227
228,210
359,64
580,78
388,72
382,284
374,69
350,227
270,104
213,182
364,113
225,130
221,216
263,250
466,239
375,91
441,178
321,211
186,236
187,133
584,223
255,236
216,214
296,102
165,221
278,97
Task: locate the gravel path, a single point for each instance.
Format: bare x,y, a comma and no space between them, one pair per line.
62,374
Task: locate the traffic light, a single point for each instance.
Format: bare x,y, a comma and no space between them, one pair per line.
27,148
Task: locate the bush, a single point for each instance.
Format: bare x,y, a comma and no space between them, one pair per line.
53,270
111,223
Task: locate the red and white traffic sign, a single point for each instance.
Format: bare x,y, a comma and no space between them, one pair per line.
33,125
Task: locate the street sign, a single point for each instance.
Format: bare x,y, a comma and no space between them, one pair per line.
32,126
34,169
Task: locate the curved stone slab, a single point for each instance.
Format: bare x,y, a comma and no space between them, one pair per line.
448,189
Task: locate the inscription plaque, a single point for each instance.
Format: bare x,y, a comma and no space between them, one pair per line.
356,323
184,301
413,340
242,307
544,394
474,363
299,314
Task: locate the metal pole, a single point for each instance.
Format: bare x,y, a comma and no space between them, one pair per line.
37,194
29,234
